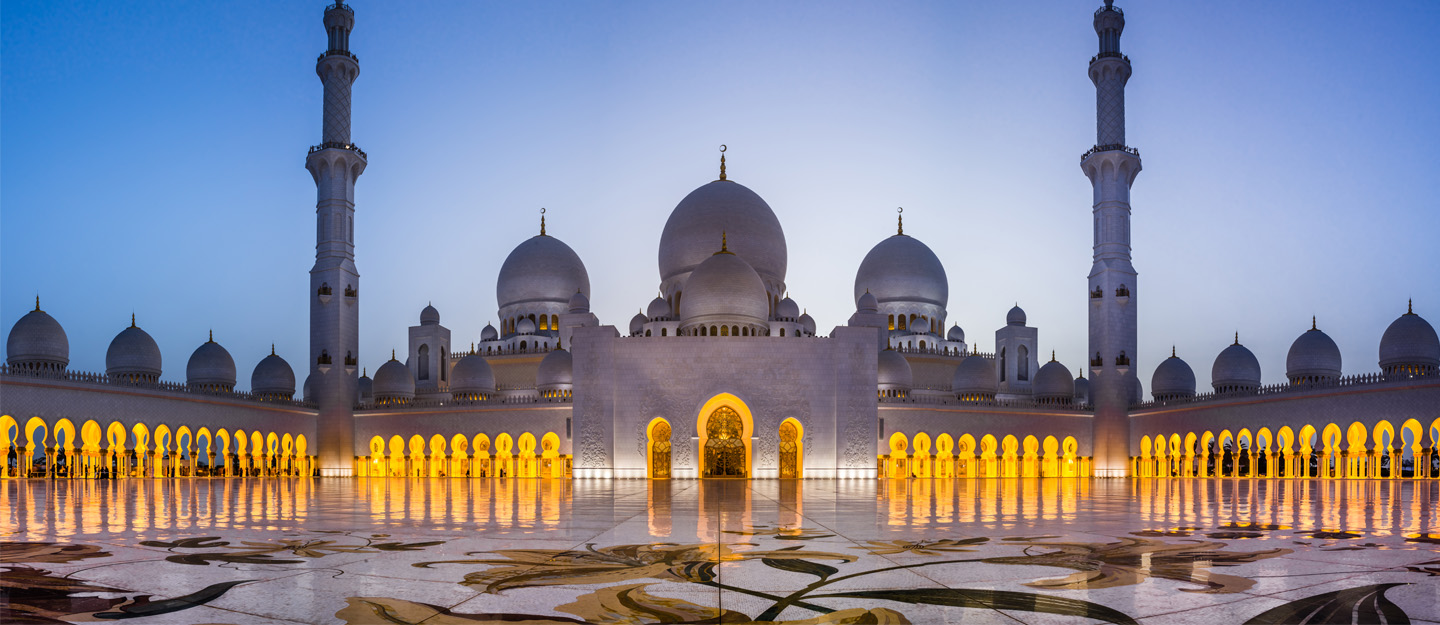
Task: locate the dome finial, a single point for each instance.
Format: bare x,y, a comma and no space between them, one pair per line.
1409,305
132,319
900,220
1172,351
1081,371
722,161
272,349
364,372
1052,355
37,303
724,244
392,354
212,336
1237,337
542,222
1312,323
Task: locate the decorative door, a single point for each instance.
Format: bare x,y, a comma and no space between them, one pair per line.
660,450
724,448
789,450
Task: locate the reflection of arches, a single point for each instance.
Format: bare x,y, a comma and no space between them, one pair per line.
792,451
725,426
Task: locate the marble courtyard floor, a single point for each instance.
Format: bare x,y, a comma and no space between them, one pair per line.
853,551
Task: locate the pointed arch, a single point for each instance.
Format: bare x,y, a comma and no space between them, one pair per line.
722,419
792,448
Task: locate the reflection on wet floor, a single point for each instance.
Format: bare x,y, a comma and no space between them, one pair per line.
67,508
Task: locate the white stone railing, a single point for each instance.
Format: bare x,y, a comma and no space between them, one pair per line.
1286,388
950,400
87,377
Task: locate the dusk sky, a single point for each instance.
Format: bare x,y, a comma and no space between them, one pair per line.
152,160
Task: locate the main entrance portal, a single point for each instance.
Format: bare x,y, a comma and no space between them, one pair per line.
724,447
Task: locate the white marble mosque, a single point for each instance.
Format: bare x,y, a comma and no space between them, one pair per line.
675,392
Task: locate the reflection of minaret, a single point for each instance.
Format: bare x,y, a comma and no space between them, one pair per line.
1111,167
334,282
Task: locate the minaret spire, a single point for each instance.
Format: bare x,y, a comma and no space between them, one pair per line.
335,164
900,220
1111,166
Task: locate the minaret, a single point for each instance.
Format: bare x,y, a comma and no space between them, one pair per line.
334,282
1111,167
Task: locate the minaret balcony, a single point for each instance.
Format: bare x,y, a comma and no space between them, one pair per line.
335,145
1102,55
1112,147
353,57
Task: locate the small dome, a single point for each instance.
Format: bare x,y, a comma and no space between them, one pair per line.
920,326
956,334
556,372
273,377
867,303
1082,390
540,269
1053,383
718,207
37,341
787,309
637,324
489,333
472,377
210,368
1235,369
579,304
724,289
975,376
524,326
394,383
366,388
133,356
1173,378
901,269
658,309
429,316
1313,357
893,371
1410,342
1016,317
808,323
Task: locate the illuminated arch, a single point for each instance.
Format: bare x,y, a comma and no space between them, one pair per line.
1357,463
965,456
1072,464
709,409
527,455
397,456
920,461
1030,448
1330,437
550,465
481,446
989,466
504,460
945,465
1051,462
377,465
897,465
791,440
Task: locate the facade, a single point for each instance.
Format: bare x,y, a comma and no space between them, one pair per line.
552,391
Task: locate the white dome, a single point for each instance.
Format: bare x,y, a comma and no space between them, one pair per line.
867,303
658,309
365,387
722,206
893,371
787,309
133,355
542,269
1173,378
579,304
472,376
724,289
1082,390
1409,341
637,323
38,341
525,326
273,377
1235,369
556,372
489,333
975,375
393,382
956,334
1312,357
1053,383
1016,317
808,323
920,325
901,269
429,316
210,368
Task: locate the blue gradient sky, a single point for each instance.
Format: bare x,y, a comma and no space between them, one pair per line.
152,159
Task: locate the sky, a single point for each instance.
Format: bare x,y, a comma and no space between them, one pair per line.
152,161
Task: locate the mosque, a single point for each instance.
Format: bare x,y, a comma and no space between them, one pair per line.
675,392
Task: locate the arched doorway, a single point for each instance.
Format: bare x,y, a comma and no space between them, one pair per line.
658,452
725,445
792,450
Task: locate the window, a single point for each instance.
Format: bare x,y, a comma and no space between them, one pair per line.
782,331
902,323
662,331
424,365
892,322
724,331
1022,364
1003,359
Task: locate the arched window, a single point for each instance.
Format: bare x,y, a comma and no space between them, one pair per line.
912,320
444,363
714,332
544,322
662,331
1003,359
724,330
554,322
1022,364
734,330
647,333
892,322
902,323
782,331
523,346
424,364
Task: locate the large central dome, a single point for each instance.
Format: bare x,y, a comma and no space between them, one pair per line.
729,207
902,269
541,269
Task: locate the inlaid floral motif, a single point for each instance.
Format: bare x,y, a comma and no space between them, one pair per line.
1133,560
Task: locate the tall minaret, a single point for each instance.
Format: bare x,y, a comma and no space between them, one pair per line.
1111,167
334,282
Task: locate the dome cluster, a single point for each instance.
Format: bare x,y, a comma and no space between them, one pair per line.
701,218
